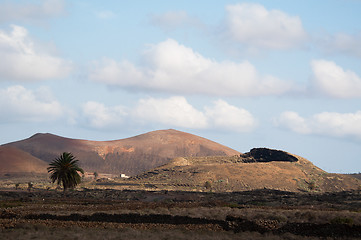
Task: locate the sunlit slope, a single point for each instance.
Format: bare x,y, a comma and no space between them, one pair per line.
236,173
130,156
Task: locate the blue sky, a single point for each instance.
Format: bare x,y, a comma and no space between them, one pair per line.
277,74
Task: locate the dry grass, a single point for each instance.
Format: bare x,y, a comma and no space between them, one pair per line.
229,173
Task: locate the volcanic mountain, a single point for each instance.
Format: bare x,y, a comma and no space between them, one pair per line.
130,156
13,160
174,159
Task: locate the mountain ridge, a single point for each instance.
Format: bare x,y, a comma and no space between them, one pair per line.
131,155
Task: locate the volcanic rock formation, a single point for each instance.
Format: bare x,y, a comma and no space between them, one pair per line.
267,155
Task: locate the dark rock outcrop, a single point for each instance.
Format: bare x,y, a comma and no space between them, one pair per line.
267,155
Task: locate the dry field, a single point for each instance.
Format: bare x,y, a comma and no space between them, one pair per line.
139,214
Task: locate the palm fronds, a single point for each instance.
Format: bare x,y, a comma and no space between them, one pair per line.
64,170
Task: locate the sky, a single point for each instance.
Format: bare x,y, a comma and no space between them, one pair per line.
277,74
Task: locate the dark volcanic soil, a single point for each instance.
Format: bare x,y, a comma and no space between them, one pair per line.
258,214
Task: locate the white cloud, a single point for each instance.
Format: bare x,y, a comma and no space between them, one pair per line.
116,73
174,19
294,122
325,123
256,27
98,115
172,67
24,62
29,12
18,104
341,43
225,116
174,111
169,112
334,81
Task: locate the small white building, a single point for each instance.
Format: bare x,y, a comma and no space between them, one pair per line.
122,175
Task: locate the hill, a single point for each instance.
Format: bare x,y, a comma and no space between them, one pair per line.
130,156
258,169
13,160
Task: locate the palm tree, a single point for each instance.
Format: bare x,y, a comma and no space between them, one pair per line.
64,170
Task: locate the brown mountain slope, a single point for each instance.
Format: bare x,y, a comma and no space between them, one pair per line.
130,156
13,160
273,170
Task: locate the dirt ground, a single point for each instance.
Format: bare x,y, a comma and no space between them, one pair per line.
137,214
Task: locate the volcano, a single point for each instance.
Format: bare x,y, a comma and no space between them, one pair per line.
129,156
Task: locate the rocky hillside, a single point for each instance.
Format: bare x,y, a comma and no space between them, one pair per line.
130,156
258,169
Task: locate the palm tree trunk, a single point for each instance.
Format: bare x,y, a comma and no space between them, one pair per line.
64,186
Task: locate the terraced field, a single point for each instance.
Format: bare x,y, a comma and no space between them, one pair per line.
136,214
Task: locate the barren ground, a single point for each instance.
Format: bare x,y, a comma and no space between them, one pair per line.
138,214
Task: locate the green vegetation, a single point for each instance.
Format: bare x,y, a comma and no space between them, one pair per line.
64,170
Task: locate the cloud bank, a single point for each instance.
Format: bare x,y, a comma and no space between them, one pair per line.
332,80
225,116
174,111
170,112
24,62
30,12
341,43
326,123
18,104
97,115
172,67
256,27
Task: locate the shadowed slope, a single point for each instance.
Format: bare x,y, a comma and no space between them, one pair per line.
130,156
13,160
